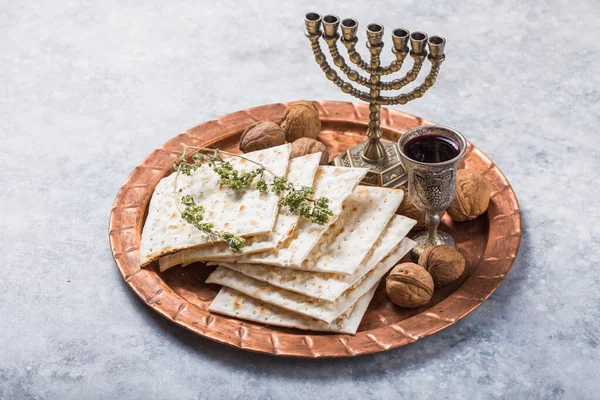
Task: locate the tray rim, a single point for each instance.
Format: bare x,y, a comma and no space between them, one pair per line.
129,209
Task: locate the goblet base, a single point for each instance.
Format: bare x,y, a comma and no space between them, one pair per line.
423,242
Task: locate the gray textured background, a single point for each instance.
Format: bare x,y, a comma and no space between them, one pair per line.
89,88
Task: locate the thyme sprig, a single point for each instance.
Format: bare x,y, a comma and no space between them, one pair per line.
296,198
194,214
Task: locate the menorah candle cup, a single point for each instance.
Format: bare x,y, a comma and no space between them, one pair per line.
430,155
418,41
330,25
349,27
313,23
400,40
375,34
436,46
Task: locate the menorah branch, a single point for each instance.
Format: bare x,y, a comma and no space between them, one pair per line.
417,92
331,74
339,62
355,76
356,58
410,76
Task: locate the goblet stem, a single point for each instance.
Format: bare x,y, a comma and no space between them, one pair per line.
432,237
433,221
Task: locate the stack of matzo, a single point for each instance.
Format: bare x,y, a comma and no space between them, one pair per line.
244,214
295,273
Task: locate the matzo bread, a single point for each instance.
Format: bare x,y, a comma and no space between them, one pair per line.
241,213
323,285
235,304
335,183
345,244
301,171
319,309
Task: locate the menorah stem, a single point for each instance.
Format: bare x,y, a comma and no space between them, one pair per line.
374,151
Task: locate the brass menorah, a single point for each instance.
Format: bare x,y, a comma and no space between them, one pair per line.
382,158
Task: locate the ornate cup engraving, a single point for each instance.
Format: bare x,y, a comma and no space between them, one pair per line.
433,191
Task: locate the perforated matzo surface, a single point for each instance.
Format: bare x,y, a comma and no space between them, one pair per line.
235,304
323,285
320,309
336,183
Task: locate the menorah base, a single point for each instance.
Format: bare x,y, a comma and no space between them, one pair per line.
389,172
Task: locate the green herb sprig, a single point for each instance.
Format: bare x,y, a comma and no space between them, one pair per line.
194,214
296,198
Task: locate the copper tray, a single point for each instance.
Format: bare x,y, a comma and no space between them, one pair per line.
489,243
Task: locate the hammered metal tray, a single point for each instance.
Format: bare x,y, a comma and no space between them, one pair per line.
489,244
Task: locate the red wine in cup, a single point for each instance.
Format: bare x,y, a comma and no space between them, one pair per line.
431,149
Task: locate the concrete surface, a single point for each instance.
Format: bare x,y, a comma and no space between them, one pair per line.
89,88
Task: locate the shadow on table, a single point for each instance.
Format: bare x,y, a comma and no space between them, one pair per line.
478,326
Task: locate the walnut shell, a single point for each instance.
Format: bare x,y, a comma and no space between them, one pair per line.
301,119
409,285
444,263
261,135
472,195
304,146
408,209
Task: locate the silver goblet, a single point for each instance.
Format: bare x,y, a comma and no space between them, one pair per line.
431,185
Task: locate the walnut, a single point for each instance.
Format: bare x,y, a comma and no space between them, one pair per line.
444,263
408,209
409,285
261,135
301,119
472,195
304,146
